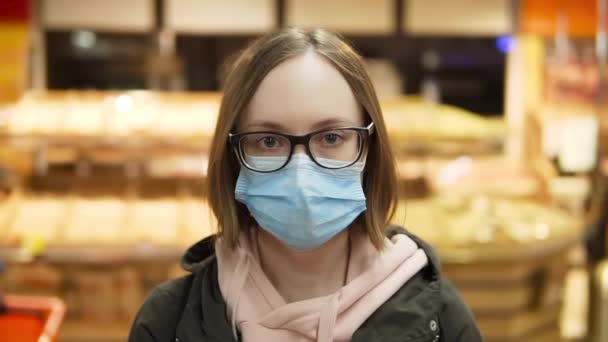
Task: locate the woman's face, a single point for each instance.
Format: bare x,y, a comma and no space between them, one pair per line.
301,95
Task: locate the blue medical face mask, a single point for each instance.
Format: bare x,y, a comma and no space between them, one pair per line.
303,205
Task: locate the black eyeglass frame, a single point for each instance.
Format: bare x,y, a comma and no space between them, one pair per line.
364,132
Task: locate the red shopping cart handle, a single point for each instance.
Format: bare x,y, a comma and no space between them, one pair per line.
30,318
21,327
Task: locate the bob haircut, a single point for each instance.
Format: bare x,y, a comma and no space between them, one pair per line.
242,80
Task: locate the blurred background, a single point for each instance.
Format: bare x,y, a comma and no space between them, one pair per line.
497,111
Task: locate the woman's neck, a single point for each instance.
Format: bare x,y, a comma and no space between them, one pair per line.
300,275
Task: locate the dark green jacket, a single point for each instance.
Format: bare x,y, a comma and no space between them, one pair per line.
191,309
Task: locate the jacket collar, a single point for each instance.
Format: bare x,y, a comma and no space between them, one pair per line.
434,267
205,316
407,316
412,314
202,253
199,255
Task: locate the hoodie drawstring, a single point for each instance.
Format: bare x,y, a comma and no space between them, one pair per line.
241,272
327,318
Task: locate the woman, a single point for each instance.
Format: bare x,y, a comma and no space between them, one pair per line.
302,181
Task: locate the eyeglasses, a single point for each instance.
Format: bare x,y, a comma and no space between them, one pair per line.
334,148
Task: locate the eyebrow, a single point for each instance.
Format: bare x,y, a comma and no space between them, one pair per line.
333,123
263,124
327,123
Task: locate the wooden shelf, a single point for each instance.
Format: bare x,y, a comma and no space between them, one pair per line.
90,331
97,254
509,251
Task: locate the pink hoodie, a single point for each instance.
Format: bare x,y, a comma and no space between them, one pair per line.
259,312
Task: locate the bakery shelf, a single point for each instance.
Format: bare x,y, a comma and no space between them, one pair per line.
96,254
94,331
509,251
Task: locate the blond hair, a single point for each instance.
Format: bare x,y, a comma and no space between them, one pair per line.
241,83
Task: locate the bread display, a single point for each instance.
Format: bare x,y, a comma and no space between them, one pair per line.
412,118
84,118
146,137
196,119
111,221
154,221
103,115
36,117
474,221
466,175
7,212
197,220
187,116
99,220
39,217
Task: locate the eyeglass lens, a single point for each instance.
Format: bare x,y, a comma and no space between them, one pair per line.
331,149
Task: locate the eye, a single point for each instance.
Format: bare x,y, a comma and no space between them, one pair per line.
269,142
331,138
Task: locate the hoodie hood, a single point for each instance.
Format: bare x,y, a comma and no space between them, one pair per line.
259,313
192,308
199,255
203,252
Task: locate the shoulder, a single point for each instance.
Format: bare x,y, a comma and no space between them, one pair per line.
160,313
456,319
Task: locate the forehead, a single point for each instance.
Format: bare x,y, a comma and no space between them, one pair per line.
299,95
